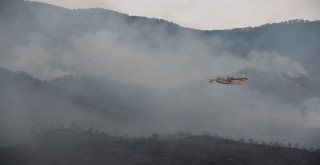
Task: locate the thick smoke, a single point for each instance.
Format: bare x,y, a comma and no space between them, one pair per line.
169,88
101,54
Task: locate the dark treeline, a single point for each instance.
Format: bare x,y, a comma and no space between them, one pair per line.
163,137
75,145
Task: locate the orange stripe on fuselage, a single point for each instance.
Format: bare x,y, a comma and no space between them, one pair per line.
237,81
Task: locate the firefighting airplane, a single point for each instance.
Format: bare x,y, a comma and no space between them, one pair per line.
230,80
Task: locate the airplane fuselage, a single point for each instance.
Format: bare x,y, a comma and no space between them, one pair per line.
229,80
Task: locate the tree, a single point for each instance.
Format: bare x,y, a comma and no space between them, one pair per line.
297,145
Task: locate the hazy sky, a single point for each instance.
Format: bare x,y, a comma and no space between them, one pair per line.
207,14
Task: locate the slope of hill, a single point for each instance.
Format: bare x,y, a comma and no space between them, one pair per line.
76,146
28,103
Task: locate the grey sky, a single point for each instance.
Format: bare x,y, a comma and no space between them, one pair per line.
208,14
